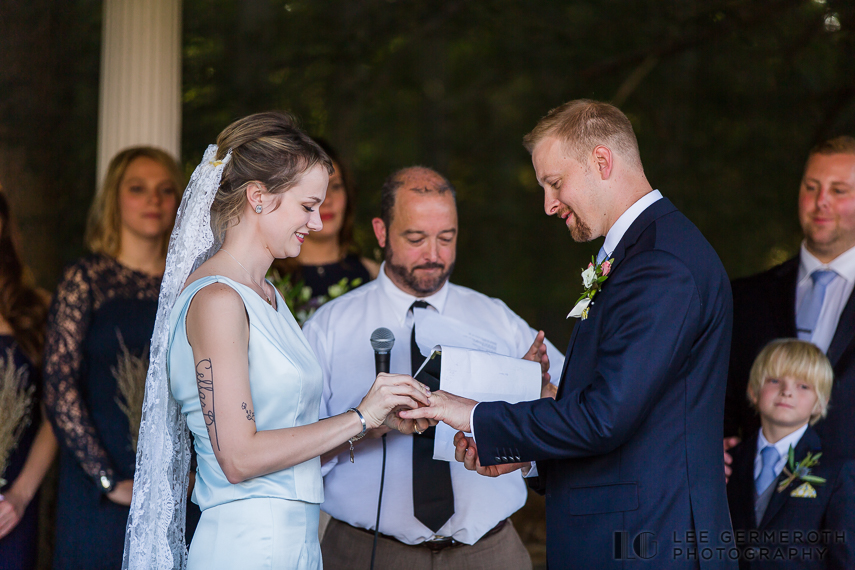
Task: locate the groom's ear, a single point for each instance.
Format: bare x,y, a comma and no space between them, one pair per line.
603,161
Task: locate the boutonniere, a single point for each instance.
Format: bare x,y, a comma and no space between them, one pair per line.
801,471
592,279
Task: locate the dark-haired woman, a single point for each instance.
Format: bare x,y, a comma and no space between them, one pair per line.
22,316
329,255
102,317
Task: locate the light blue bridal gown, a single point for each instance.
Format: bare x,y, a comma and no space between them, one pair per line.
270,521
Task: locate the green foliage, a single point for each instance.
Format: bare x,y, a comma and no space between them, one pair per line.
301,300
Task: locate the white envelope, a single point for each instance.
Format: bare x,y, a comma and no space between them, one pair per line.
485,377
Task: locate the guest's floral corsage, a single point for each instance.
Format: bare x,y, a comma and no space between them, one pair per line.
801,471
592,279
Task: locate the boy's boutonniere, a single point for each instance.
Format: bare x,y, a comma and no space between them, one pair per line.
801,471
592,279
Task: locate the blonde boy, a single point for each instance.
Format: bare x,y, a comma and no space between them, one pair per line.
790,387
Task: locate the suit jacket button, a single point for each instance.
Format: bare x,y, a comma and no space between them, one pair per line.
498,459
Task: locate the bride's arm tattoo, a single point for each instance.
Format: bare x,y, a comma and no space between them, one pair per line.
250,414
205,384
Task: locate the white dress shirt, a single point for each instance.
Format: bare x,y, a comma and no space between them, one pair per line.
836,295
782,446
625,220
339,334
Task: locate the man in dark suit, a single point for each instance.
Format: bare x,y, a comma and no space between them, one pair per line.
792,299
627,453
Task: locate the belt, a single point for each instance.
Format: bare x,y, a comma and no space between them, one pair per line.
436,544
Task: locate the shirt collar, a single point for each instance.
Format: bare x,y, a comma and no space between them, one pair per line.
401,301
783,444
625,220
843,264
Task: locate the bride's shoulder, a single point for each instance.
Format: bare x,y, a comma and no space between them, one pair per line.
217,295
216,303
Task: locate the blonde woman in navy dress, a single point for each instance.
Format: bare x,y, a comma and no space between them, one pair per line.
241,370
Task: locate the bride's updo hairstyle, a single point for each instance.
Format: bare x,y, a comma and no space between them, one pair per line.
267,148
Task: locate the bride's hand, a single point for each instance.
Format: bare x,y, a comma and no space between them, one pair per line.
389,392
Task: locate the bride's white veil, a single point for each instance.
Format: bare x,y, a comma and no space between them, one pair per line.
155,533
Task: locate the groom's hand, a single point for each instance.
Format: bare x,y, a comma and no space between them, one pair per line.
466,451
444,407
406,427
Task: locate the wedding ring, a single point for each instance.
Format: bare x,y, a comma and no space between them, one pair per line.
417,431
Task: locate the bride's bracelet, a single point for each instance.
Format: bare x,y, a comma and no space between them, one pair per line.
361,434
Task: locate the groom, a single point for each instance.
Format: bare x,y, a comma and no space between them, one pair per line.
629,454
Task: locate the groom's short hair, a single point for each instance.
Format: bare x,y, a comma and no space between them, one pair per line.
582,125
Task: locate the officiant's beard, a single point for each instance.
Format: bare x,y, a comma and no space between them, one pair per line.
423,286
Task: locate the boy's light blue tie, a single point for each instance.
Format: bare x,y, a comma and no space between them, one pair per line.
770,456
808,314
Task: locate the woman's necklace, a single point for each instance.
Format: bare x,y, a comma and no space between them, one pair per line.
250,276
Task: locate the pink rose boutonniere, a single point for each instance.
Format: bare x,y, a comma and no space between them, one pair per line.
592,279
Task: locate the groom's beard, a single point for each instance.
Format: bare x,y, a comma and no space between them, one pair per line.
423,285
579,231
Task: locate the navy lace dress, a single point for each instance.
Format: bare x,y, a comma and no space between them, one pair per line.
102,312
319,278
18,548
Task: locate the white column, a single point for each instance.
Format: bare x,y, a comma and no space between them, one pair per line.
140,95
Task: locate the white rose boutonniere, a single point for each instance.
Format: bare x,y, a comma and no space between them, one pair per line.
588,276
592,279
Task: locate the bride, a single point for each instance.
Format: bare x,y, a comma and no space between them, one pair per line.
230,362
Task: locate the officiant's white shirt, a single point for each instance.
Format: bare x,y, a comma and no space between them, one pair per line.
339,333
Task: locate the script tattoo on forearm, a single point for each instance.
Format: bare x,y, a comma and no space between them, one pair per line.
205,384
250,415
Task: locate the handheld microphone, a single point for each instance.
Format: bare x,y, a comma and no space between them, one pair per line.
382,341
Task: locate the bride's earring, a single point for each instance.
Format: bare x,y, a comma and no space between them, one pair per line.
258,209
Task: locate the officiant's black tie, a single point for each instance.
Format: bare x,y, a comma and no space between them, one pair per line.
433,497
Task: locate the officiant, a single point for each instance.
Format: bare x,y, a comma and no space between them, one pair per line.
434,513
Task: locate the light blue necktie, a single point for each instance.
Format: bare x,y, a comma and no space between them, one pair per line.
808,313
601,255
770,457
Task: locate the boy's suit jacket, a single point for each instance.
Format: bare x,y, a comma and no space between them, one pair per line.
633,442
832,509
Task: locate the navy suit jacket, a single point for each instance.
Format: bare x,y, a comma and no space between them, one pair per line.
633,442
833,509
764,308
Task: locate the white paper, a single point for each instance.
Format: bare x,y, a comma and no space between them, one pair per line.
484,377
433,329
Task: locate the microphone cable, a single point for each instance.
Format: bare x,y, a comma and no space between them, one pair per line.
379,503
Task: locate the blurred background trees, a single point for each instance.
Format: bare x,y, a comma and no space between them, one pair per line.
726,97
